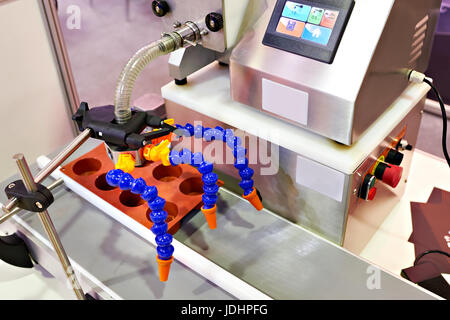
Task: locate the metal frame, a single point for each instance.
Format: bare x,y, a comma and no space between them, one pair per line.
62,57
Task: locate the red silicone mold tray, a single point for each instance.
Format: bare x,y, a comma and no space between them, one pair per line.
180,186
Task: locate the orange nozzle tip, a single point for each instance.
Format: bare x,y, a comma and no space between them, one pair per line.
210,215
164,268
254,200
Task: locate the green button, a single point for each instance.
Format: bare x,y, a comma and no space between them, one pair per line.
316,15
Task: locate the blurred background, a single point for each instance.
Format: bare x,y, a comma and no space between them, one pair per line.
110,33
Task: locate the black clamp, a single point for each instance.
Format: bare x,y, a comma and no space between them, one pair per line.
31,201
124,137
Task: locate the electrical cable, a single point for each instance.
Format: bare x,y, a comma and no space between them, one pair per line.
444,118
418,77
429,252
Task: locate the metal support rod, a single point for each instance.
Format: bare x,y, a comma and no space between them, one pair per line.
52,165
50,229
16,210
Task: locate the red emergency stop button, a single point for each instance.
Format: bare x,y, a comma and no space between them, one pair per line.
389,174
372,193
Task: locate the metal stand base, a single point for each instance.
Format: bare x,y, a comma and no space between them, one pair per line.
14,251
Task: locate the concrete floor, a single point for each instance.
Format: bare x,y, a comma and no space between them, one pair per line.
112,31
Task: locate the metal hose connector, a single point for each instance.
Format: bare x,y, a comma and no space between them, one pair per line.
188,34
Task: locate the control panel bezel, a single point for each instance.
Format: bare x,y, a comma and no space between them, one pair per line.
306,48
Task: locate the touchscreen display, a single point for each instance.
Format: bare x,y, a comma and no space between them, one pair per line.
307,22
310,28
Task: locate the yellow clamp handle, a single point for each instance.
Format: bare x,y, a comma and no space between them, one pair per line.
159,152
126,162
168,137
170,121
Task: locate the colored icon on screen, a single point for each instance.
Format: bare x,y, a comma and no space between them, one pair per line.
316,15
329,19
316,34
291,27
296,11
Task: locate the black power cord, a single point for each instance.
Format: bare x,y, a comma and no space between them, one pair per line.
444,118
418,77
428,252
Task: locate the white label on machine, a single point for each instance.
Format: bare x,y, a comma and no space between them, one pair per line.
285,101
320,178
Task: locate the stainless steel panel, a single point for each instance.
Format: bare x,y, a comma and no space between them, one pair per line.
364,79
364,217
238,16
405,44
352,218
280,191
186,61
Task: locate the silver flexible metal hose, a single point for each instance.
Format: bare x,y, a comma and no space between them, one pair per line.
167,44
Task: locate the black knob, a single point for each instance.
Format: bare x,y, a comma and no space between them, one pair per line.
214,21
394,157
160,8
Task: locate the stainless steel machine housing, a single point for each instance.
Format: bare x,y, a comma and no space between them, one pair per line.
237,17
382,40
350,222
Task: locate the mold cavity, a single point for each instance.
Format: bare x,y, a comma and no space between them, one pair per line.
192,186
87,167
101,183
166,174
129,199
172,211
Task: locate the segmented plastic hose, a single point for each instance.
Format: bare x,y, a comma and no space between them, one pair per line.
134,67
125,181
233,142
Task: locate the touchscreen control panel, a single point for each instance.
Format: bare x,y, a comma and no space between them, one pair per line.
309,28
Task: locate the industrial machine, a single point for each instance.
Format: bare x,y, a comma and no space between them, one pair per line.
295,81
311,102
